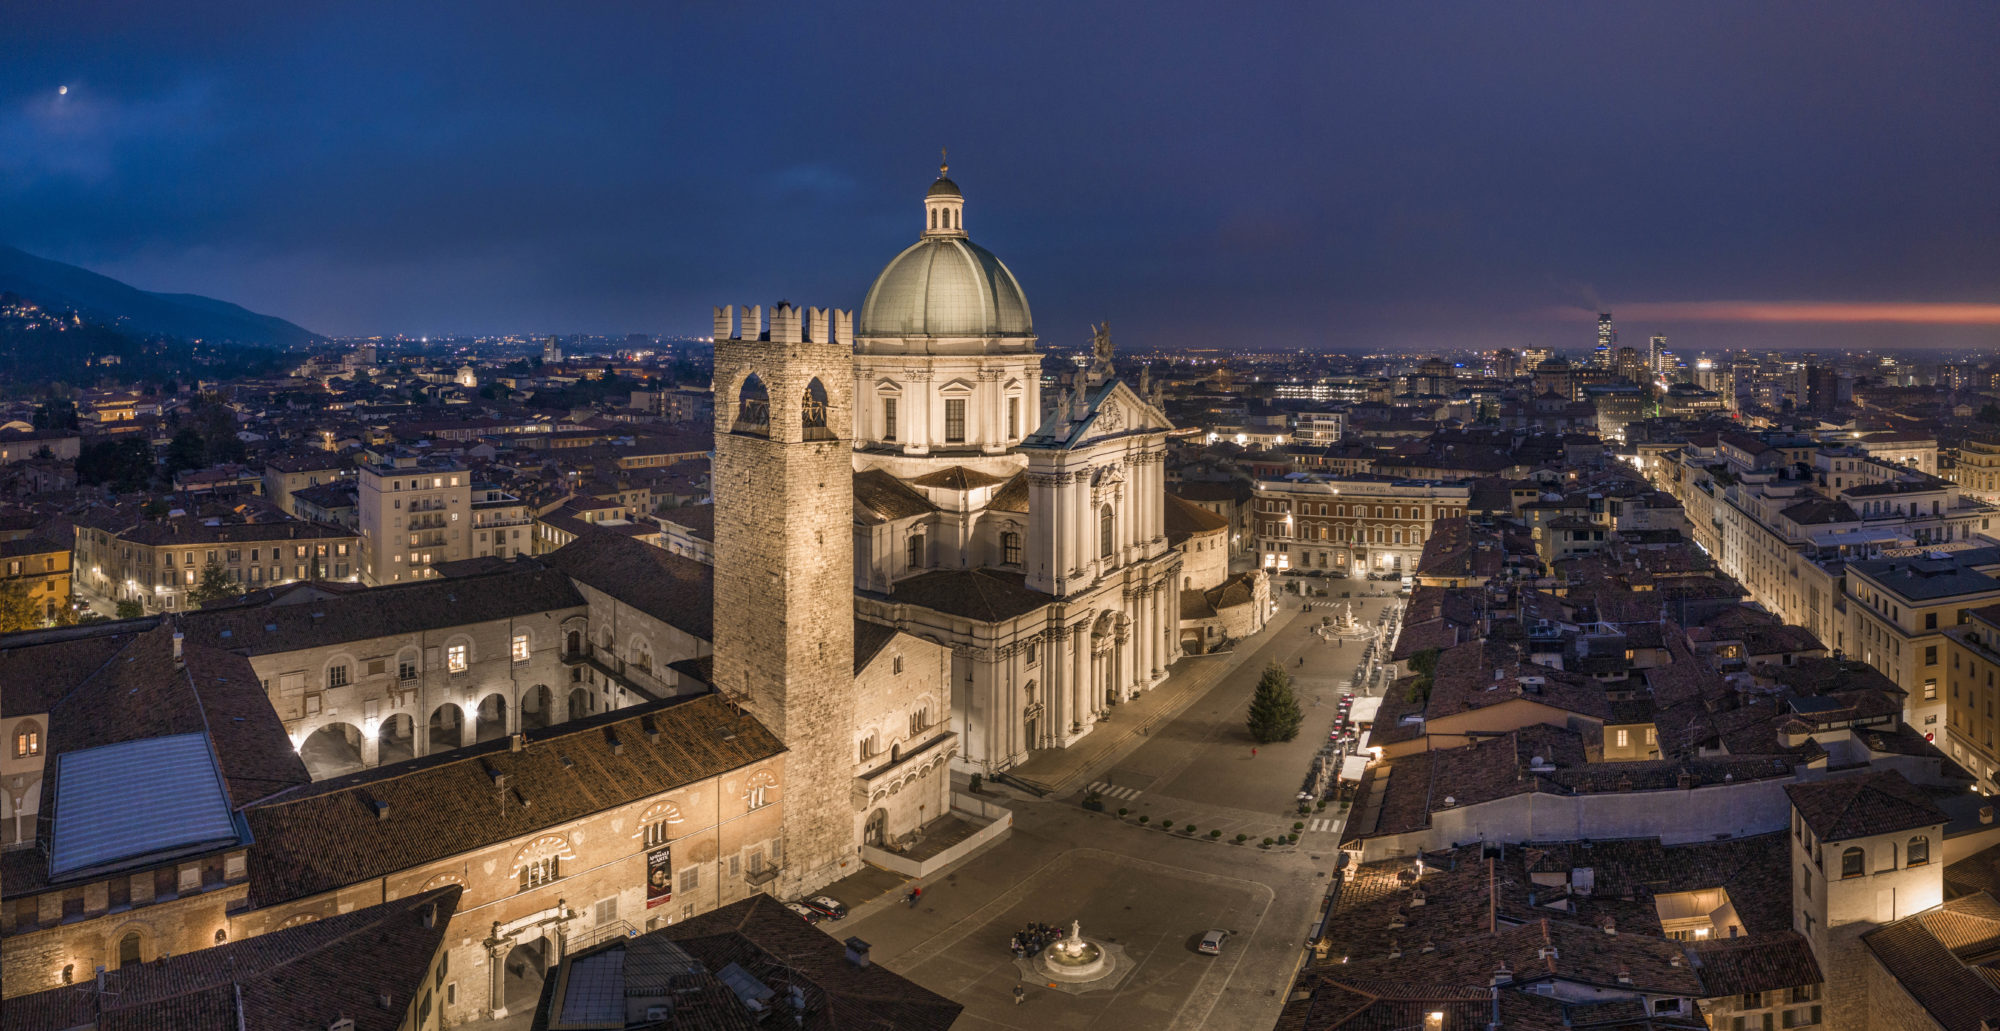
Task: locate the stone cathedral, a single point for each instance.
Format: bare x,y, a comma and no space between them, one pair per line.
1024,540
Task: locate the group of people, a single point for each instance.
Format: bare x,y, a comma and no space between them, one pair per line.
1034,939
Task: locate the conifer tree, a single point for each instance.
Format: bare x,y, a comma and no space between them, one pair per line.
1274,711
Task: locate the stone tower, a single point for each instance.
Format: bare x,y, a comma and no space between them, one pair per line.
784,562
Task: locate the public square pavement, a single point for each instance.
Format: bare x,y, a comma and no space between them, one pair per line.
1151,891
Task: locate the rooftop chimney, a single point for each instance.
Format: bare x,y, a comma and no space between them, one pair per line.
178,640
517,741
857,952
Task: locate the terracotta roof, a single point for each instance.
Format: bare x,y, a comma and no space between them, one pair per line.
881,498
327,835
1945,958
677,591
869,640
987,595
771,944
1844,808
383,611
1011,498
1755,963
305,976
39,668
1184,519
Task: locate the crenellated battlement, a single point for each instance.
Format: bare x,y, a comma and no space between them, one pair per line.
789,324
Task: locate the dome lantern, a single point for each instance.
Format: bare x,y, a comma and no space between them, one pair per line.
944,206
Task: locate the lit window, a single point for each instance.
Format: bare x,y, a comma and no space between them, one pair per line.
455,658
27,741
1010,548
520,647
336,675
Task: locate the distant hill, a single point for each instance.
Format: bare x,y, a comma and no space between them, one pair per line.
54,285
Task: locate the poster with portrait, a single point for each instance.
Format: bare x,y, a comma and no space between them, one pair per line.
659,876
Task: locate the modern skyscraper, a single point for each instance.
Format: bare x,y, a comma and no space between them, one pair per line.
1607,342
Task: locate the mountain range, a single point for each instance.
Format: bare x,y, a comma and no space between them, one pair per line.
55,286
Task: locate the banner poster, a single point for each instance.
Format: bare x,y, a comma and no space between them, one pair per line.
659,876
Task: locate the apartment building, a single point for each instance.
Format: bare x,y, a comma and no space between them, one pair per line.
1972,678
1783,515
158,563
414,515
1898,609
1350,524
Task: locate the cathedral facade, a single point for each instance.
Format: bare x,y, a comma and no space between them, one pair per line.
1031,543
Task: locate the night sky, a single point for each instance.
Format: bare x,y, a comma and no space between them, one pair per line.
1350,176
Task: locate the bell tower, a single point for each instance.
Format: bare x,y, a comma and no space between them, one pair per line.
784,562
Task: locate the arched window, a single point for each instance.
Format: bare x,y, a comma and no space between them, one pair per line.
813,413
934,218
757,795
753,408
128,950
1104,533
1010,548
1853,863
27,739
869,746
1918,852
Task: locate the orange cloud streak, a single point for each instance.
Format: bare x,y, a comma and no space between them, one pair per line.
1803,311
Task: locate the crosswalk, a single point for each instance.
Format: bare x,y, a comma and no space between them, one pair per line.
1323,824
1123,794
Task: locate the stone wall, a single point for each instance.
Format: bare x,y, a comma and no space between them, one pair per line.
784,564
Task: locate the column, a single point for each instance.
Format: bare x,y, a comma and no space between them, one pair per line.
371,746
1081,686
1055,686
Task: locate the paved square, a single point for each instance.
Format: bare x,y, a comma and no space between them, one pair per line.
1157,912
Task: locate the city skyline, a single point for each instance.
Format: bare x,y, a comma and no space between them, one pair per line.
1345,181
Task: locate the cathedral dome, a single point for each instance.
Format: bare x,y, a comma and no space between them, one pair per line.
944,285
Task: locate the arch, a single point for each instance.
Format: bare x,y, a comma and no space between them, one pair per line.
573,643
28,739
537,707
814,413
1106,625
333,749
397,740
131,949
656,824
446,728
581,702
1918,851
527,965
877,832
639,650
1853,862
761,789
491,719
753,408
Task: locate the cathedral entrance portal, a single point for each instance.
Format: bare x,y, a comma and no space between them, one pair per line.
878,828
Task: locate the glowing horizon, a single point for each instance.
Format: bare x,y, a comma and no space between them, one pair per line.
1936,314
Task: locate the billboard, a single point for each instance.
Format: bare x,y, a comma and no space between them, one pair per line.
659,876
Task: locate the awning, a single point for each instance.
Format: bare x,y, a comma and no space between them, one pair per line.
1353,766
1363,710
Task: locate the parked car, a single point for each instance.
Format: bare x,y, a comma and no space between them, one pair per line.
827,906
1211,942
805,912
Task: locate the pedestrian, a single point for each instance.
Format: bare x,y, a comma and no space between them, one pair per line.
1020,995
1253,753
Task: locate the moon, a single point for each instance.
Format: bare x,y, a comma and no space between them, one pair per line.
62,91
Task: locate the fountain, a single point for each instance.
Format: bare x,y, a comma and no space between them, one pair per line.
1345,625
1074,958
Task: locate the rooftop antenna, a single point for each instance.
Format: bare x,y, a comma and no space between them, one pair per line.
943,165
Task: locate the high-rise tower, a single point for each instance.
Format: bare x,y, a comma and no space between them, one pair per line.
1607,342
784,562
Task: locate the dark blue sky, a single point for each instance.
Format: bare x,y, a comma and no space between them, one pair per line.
1355,175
